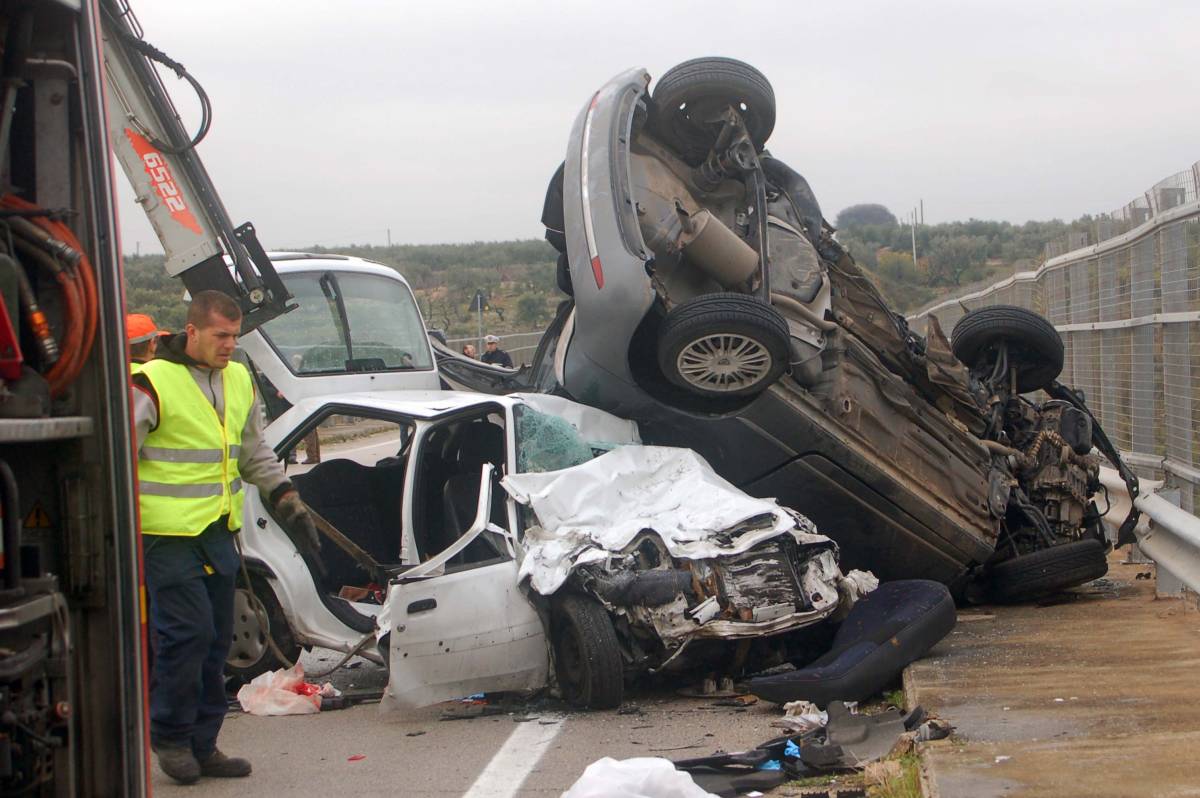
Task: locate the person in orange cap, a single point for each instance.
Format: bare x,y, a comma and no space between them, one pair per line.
142,334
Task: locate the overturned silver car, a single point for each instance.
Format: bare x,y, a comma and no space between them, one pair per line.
710,301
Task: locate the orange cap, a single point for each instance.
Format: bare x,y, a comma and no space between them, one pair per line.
140,328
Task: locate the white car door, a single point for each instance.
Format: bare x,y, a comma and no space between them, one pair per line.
460,630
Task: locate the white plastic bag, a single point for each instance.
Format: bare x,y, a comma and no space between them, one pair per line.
275,693
640,777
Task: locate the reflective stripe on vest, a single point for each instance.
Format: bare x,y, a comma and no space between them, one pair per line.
188,465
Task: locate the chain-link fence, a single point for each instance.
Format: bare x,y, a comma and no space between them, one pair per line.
520,346
1128,308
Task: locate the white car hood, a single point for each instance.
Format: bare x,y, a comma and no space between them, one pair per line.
587,511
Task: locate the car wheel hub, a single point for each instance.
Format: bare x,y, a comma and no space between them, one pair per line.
725,362
249,638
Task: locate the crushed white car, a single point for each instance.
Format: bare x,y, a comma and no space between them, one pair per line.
676,557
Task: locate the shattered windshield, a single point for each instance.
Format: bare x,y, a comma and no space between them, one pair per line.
548,443
349,322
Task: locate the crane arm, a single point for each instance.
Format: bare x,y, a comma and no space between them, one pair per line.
170,181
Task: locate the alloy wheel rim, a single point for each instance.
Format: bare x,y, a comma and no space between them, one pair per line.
724,362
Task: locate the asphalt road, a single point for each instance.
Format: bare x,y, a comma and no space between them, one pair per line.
530,748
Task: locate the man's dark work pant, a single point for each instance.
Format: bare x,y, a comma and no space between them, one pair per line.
191,582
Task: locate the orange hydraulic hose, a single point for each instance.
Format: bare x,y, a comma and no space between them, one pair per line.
88,280
80,297
72,335
59,376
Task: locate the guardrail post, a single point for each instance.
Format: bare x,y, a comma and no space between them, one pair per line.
1167,584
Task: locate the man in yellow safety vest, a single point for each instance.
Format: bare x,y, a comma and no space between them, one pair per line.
199,434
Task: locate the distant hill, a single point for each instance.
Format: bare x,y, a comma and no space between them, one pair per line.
518,276
950,256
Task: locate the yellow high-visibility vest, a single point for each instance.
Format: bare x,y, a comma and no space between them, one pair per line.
188,465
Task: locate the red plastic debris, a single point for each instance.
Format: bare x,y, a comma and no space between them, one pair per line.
357,757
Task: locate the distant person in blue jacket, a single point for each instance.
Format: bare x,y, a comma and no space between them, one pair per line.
493,354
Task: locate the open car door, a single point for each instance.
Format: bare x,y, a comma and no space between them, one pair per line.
460,629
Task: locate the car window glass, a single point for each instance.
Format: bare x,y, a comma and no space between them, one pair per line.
384,325
547,443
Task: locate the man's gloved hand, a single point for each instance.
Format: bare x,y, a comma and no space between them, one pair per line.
297,520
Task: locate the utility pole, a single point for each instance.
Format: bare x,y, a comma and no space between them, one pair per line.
479,304
914,237
389,234
922,211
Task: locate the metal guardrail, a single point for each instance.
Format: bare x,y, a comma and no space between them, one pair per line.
1166,534
1128,309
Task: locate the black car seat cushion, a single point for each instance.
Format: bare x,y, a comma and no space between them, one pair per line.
887,629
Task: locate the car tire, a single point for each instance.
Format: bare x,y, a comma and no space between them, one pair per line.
727,345
250,655
685,92
1030,576
1035,347
587,657
562,275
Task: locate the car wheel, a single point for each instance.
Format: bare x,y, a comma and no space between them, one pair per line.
1029,576
562,275
587,657
728,345
250,654
1035,348
692,93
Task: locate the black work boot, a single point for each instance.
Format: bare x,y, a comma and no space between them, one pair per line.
178,762
219,766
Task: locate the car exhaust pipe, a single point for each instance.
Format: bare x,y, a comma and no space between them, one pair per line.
716,250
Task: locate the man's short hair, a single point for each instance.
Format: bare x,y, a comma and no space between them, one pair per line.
206,303
141,350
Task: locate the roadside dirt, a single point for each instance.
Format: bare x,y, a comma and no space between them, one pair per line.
1093,693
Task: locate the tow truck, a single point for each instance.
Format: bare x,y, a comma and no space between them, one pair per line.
79,80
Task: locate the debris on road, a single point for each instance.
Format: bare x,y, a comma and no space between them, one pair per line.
284,692
482,711
845,742
634,778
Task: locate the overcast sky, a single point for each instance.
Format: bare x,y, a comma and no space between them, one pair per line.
443,121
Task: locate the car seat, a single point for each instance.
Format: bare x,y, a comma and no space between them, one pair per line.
888,628
481,443
361,502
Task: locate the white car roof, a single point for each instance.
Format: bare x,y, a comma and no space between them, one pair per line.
592,423
289,262
419,404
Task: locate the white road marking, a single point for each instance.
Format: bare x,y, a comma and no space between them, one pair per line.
517,758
